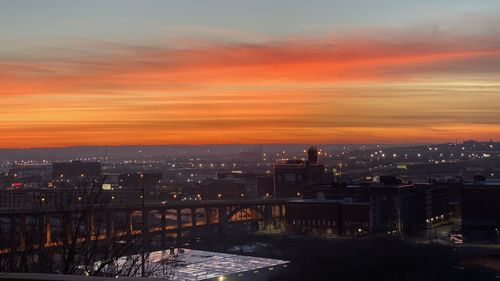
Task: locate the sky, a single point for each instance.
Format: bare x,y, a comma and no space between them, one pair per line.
124,72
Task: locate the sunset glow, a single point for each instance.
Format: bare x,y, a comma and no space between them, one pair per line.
388,85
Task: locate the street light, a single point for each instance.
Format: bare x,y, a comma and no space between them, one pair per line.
498,237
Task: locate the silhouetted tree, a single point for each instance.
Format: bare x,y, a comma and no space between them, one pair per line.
86,239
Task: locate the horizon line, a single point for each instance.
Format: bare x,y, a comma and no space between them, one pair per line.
229,144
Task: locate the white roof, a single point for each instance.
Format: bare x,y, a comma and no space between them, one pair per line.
199,265
203,265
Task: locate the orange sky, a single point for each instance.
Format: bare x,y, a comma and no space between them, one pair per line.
402,88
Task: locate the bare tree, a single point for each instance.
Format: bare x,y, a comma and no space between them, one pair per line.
86,238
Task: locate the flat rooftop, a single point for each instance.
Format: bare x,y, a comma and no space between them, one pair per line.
211,264
202,265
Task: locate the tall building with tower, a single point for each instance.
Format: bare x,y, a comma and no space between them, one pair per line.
292,178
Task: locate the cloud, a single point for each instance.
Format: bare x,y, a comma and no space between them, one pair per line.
330,89
322,60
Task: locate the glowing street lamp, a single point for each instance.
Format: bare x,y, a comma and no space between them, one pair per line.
498,236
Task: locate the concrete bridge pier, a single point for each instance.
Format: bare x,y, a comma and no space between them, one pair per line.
14,243
129,226
193,218
67,227
145,230
43,232
194,229
110,226
163,231
179,227
90,227
282,218
268,218
208,219
22,233
223,219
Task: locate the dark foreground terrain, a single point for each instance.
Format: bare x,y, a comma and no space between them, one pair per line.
364,259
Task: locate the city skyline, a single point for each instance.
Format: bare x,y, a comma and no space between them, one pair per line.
226,140
72,74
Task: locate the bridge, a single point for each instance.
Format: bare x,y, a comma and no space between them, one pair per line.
49,226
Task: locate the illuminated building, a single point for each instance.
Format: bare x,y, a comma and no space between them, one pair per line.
395,205
31,172
330,217
292,178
